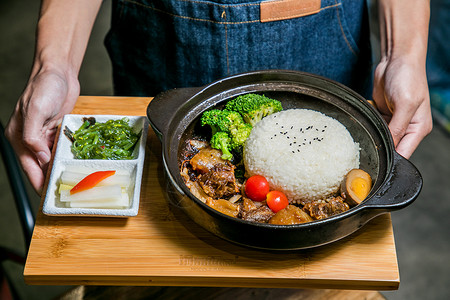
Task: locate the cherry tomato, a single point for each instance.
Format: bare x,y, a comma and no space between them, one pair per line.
276,201
256,188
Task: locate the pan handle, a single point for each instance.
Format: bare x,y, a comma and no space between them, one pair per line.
164,106
400,189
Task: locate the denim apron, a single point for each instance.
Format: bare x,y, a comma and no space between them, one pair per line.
156,45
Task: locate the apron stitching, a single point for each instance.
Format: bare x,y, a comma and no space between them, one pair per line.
190,18
343,33
330,6
224,15
222,5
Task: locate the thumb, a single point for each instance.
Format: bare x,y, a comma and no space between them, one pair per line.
37,138
43,158
398,125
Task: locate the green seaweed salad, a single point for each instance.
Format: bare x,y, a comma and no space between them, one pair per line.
113,139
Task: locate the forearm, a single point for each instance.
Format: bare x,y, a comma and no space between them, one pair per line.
400,83
63,32
404,29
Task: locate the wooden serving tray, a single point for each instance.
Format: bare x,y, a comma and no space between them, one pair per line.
163,247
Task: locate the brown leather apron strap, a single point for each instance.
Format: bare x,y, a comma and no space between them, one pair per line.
287,9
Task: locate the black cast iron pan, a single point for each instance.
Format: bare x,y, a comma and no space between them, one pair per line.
174,116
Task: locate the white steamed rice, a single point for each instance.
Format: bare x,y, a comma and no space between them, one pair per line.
301,152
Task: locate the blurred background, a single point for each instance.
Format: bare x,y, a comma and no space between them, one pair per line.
421,230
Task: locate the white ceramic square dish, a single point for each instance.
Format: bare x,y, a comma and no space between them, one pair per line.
64,158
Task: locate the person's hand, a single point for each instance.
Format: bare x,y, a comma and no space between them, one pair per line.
32,127
401,95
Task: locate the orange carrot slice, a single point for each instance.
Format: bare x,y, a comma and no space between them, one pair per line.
91,180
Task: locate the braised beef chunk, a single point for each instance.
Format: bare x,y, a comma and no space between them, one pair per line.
219,181
209,175
206,159
248,205
261,214
321,209
255,211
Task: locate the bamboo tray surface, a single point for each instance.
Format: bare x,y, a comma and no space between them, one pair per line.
163,247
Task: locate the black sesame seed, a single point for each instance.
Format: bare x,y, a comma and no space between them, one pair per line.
323,130
292,127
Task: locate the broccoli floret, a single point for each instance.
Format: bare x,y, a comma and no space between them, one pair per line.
214,119
232,121
222,120
222,141
272,106
229,131
239,136
253,107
